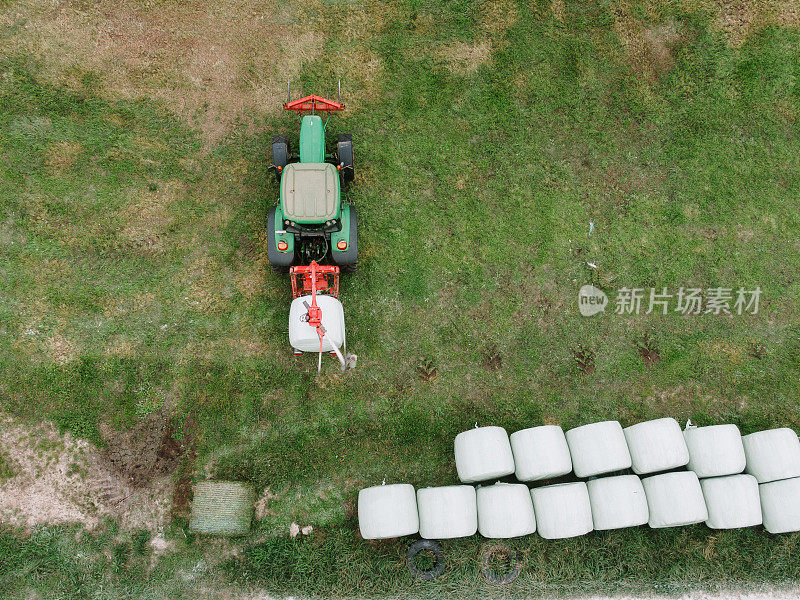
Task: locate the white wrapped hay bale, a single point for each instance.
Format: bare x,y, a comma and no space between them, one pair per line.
674,499
387,511
598,448
505,510
773,454
656,445
562,510
715,451
483,453
305,338
617,502
540,453
732,501
447,512
780,505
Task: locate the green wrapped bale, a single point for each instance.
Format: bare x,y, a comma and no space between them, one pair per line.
222,508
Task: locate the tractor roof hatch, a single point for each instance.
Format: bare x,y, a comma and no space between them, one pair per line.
310,192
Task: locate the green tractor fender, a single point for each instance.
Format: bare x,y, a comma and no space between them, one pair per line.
280,243
348,237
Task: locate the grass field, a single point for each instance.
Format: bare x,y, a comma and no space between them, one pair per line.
134,139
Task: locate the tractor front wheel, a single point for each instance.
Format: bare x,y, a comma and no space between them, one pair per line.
344,154
280,154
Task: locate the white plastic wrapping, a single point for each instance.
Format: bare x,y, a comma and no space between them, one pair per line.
505,510
656,445
540,453
562,510
772,455
715,451
598,448
617,502
732,501
674,499
780,504
387,511
447,512
483,453
304,337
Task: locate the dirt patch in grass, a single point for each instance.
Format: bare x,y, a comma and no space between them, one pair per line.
738,19
61,349
465,59
427,371
59,479
649,51
208,284
250,281
147,218
262,509
186,451
648,350
210,62
248,346
122,347
498,17
149,449
492,359
584,358
558,9
61,156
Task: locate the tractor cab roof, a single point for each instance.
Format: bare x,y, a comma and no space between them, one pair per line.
310,192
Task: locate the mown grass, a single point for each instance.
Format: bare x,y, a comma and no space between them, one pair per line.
132,268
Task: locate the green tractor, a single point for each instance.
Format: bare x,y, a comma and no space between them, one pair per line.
312,220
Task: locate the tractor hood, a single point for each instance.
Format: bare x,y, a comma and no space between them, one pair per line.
310,192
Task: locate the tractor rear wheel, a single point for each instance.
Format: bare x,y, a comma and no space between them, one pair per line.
344,154
280,154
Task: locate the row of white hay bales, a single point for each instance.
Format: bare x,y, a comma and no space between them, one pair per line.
701,474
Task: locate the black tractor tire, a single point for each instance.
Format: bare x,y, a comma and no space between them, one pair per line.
280,154
344,154
513,566
280,261
348,260
434,548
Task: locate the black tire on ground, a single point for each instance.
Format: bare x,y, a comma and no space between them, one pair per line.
344,154
428,546
511,569
280,261
280,153
348,260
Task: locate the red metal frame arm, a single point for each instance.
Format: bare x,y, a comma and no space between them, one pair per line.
313,102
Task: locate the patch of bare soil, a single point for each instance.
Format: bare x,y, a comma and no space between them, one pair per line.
649,50
61,350
59,479
211,62
150,449
427,371
207,61
147,219
648,351
498,16
61,156
559,9
492,359
738,19
584,358
465,59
